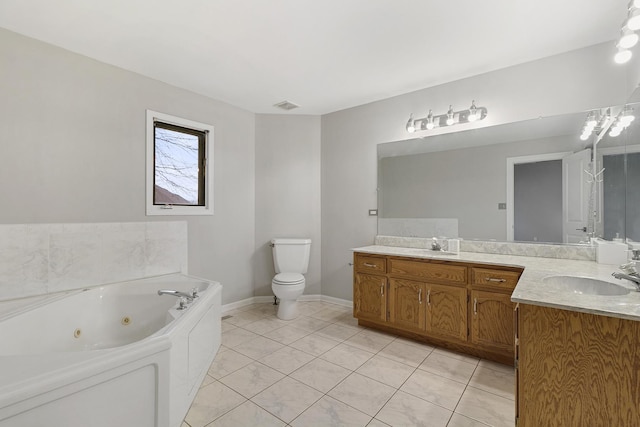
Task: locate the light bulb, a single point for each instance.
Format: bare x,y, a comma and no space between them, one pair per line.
410,125
627,115
633,22
622,56
591,121
430,124
628,39
450,116
585,136
473,112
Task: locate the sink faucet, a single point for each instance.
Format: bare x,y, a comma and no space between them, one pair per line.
630,274
435,246
189,296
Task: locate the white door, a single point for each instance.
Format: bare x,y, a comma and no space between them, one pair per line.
575,196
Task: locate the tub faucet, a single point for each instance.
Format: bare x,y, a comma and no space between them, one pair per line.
189,296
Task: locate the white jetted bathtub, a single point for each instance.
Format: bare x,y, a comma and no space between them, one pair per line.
116,355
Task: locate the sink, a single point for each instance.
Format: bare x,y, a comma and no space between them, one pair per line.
586,285
431,251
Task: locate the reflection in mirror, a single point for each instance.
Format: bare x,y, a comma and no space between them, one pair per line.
505,183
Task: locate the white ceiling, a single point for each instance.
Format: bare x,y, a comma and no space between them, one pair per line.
325,55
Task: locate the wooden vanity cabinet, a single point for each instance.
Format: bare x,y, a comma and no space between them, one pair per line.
462,306
576,369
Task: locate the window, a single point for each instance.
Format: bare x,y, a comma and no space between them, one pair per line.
179,172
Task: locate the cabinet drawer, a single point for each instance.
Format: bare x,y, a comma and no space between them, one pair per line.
502,279
371,264
435,272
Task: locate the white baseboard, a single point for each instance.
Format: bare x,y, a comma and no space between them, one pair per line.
263,299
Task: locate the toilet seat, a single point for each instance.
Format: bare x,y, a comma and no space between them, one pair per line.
288,279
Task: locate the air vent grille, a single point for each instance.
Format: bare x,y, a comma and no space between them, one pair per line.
286,105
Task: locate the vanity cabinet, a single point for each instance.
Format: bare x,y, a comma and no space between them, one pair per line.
576,369
463,306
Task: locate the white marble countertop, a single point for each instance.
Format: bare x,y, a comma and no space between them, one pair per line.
532,290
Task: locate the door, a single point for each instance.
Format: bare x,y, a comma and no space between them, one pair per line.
575,196
369,297
447,311
407,302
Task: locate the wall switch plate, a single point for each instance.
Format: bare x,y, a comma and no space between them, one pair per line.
502,206
373,212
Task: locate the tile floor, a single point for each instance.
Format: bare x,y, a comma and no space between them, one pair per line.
322,369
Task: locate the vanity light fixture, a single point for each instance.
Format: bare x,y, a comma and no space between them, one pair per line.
628,37
450,118
622,121
589,125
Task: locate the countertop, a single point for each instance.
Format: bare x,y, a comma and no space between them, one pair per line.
532,290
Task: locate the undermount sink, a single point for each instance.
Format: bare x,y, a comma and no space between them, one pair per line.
586,285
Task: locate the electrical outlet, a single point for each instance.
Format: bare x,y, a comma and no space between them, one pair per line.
502,206
373,212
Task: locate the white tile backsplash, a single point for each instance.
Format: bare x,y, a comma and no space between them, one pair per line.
37,259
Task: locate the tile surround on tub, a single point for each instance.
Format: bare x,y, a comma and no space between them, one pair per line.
37,259
576,252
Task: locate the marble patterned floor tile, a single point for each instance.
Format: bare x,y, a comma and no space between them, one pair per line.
454,355
509,369
363,393
236,337
369,342
243,318
377,423
314,344
208,379
286,335
320,374
329,412
415,343
458,420
287,359
328,314
264,309
258,348
307,308
348,320
264,325
455,369
487,407
338,332
226,326
247,414
347,356
309,324
404,409
211,402
434,388
252,379
287,398
497,382
386,371
227,362
405,353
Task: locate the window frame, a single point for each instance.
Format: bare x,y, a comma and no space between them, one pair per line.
207,207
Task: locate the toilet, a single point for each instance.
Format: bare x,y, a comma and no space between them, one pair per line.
290,259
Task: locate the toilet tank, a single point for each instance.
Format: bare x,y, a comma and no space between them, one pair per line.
291,255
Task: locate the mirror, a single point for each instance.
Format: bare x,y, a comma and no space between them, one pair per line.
506,183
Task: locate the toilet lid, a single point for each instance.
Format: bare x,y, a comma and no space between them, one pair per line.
289,278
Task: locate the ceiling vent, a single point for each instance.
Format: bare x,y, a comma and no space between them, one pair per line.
286,105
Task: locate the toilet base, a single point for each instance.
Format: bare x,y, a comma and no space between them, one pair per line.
287,309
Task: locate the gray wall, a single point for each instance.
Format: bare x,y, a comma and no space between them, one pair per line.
72,149
574,81
287,192
537,201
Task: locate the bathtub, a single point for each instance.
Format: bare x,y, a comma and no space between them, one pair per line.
115,355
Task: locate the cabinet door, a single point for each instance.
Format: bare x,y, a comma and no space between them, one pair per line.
407,302
369,297
447,311
492,320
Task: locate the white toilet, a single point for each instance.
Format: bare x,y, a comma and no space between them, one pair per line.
291,259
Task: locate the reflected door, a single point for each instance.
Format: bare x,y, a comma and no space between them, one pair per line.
575,196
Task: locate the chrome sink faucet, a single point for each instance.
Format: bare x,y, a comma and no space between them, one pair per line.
435,246
630,273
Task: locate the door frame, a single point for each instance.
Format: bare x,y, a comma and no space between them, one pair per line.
511,162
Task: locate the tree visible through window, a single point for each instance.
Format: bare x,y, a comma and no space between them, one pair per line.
179,165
